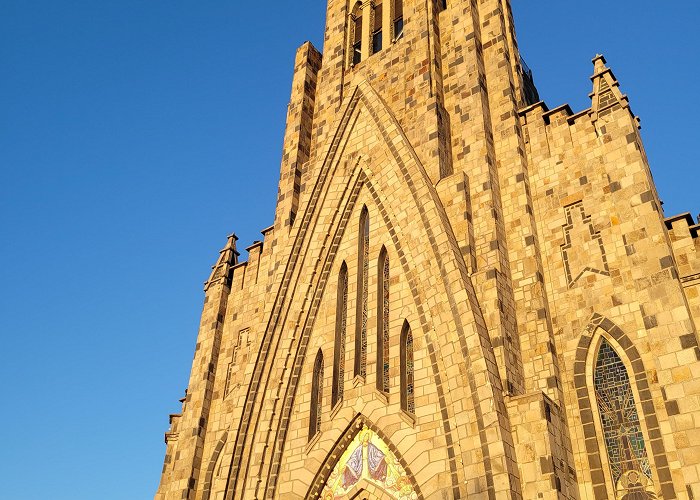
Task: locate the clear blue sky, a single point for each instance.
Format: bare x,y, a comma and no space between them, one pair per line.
135,135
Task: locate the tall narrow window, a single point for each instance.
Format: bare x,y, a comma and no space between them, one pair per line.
622,433
357,34
383,322
316,396
341,322
407,385
442,5
377,28
362,279
397,20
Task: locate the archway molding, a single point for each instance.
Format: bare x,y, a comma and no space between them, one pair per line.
216,457
600,327
341,178
359,423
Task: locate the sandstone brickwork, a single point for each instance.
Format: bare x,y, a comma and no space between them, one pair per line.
520,320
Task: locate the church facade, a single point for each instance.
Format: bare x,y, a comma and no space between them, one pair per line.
465,294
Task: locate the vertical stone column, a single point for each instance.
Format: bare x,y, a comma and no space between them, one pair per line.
297,138
466,73
192,426
366,29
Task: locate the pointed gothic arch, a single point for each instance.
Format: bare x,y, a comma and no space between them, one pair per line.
364,460
438,247
383,274
214,469
408,401
362,295
341,325
316,397
599,332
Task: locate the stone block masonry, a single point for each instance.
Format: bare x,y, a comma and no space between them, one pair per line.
519,320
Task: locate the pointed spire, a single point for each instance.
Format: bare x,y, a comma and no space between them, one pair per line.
606,95
228,258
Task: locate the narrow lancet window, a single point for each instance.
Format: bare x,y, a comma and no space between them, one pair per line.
622,433
362,281
341,321
377,28
397,20
383,323
407,384
356,38
316,396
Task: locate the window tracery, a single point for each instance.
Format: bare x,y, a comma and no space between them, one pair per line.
362,293
383,323
341,321
407,371
622,433
316,396
370,24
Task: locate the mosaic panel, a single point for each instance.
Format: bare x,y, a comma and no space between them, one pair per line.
369,458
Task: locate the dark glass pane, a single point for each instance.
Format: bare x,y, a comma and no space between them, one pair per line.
357,53
377,42
378,17
398,9
357,35
398,28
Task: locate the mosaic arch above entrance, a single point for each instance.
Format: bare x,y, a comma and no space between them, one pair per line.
369,469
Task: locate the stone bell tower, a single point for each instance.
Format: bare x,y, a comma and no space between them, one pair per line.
464,294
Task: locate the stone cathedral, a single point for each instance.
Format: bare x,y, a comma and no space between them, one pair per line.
464,294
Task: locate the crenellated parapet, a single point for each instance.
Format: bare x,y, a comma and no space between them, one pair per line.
458,294
609,252
231,322
560,127
683,233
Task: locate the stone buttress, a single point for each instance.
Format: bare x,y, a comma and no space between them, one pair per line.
451,270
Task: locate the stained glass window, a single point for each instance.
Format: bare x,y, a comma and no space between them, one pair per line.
624,441
362,282
383,323
316,396
341,322
407,368
369,459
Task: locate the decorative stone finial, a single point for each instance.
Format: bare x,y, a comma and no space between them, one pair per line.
228,258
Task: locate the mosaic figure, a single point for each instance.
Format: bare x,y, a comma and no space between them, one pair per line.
369,458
